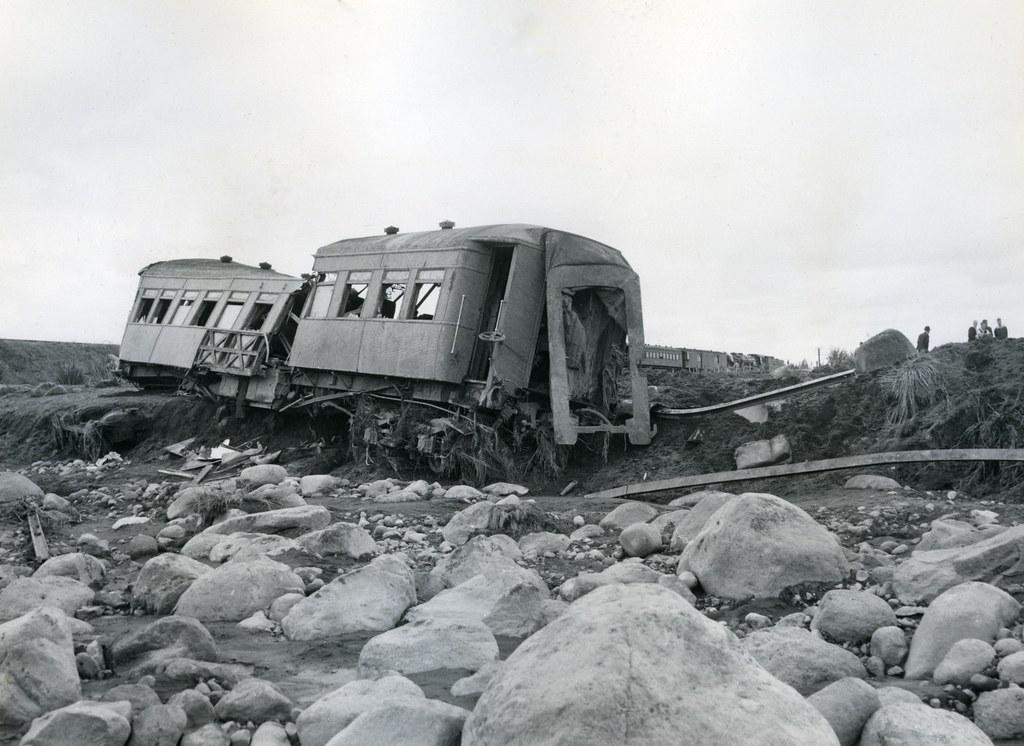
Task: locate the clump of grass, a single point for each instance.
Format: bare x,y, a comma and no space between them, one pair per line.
911,386
69,374
520,519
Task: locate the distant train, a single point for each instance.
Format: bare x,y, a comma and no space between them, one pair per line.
659,356
475,321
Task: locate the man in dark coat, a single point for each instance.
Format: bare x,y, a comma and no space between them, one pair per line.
1000,332
922,340
972,332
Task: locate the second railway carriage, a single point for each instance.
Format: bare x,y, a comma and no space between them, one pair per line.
485,318
209,315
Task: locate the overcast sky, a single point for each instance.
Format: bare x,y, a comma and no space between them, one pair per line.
781,175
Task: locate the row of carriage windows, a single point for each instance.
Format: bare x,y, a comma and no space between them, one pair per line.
155,308
397,299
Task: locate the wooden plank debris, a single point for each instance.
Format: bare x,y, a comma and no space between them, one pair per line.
203,474
174,473
810,467
178,449
39,545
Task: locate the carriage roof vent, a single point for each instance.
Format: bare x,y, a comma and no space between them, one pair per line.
446,225
391,230
226,259
264,265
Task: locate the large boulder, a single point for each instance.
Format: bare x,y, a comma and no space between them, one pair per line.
916,724
345,539
256,476
37,666
14,487
503,601
805,662
757,545
242,547
1000,713
846,704
924,575
627,514
965,659
947,533
694,498
253,699
539,543
428,645
468,522
159,725
688,528
852,616
234,591
640,540
629,571
763,452
969,610
164,639
272,497
83,723
23,595
871,482
163,579
423,721
82,567
481,555
369,599
635,664
318,484
333,712
883,350
301,518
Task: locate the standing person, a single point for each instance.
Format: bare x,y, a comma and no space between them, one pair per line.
985,330
972,332
922,340
1000,332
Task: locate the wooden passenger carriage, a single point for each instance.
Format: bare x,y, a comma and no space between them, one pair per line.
480,318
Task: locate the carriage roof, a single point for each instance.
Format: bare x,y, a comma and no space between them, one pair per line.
561,248
210,269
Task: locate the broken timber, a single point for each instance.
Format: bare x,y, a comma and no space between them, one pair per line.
39,546
755,399
810,467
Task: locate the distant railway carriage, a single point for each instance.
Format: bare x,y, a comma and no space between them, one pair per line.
472,319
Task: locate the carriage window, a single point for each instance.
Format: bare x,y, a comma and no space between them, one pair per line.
162,306
322,295
258,316
181,312
204,313
392,297
230,314
354,294
426,293
184,309
145,306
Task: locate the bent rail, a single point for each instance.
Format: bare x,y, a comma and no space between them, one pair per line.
755,399
810,467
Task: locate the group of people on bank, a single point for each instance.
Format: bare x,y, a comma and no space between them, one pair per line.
974,332
984,331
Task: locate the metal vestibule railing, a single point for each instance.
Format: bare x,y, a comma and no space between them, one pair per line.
241,353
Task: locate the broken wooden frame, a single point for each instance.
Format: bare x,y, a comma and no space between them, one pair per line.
811,467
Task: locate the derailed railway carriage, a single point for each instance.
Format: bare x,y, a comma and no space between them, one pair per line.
476,321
